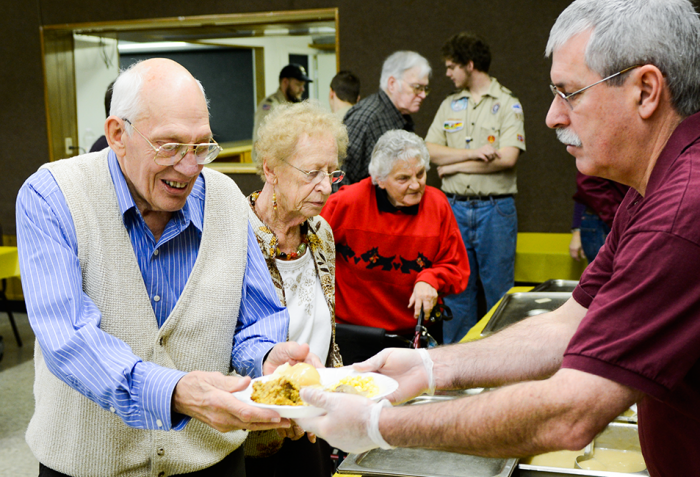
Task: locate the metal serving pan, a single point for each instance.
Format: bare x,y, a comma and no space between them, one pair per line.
556,286
617,435
424,462
518,306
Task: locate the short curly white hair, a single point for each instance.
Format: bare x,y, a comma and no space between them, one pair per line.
396,145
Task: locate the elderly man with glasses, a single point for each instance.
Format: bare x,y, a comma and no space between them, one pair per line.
148,295
402,88
475,139
630,332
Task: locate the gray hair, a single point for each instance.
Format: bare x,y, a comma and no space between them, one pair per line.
399,62
126,93
396,145
663,33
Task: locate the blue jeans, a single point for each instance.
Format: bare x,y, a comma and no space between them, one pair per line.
593,234
489,229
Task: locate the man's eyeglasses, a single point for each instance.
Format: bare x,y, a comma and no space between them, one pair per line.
317,176
566,97
173,152
418,88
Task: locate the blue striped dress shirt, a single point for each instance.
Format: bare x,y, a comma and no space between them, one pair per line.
67,323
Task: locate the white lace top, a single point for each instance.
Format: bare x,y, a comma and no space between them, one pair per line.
310,318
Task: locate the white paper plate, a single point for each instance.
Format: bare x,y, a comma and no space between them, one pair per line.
329,376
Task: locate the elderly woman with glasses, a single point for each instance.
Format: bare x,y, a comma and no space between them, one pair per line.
398,246
297,153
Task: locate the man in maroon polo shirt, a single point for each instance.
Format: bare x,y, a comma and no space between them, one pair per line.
626,83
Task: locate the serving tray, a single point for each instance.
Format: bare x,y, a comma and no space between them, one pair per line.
556,286
518,306
424,462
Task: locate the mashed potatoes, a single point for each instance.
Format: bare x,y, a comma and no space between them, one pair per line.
301,374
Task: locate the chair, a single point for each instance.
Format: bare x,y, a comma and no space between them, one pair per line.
6,302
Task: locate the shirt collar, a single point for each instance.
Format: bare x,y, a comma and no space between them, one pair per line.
385,205
193,211
384,98
685,134
492,91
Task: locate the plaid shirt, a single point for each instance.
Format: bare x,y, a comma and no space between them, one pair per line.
366,122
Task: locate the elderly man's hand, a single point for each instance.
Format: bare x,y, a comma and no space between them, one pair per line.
413,369
207,397
292,353
424,296
346,424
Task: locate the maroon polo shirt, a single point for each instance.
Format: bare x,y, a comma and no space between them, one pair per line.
642,328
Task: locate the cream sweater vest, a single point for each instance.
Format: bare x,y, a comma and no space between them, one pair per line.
70,433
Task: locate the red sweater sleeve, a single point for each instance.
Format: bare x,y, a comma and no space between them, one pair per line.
450,271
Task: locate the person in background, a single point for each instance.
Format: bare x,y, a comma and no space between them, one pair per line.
292,80
344,93
595,203
626,82
402,88
398,247
475,139
142,300
101,141
297,158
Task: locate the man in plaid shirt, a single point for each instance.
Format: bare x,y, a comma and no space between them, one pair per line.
403,87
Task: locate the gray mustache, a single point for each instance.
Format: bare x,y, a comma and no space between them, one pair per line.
568,137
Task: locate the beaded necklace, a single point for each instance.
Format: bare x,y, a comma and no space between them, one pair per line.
301,249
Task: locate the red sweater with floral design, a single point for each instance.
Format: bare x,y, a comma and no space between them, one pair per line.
381,252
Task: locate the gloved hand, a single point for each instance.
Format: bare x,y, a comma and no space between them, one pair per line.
351,422
413,369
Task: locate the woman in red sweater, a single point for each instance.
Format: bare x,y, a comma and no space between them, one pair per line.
398,248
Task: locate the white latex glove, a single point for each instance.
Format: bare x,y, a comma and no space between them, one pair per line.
413,369
351,422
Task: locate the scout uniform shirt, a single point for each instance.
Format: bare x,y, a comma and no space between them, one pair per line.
497,120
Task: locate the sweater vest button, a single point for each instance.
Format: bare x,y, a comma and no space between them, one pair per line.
161,451
161,341
161,474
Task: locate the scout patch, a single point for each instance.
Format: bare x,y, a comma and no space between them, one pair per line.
266,106
453,126
518,110
491,139
459,104
495,108
521,138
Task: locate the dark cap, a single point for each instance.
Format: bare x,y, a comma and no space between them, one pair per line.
293,70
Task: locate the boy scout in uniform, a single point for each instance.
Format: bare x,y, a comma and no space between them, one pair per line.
475,139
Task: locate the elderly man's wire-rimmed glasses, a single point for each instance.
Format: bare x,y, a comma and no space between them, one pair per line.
418,88
317,176
566,97
173,152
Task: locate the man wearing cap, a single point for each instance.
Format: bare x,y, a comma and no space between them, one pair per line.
293,81
475,139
